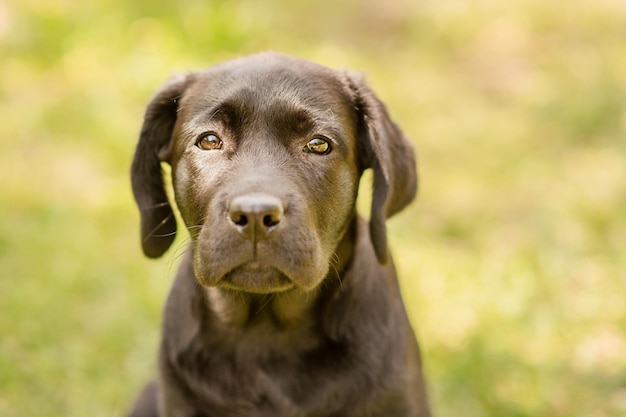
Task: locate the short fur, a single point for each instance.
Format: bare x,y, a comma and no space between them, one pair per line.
286,303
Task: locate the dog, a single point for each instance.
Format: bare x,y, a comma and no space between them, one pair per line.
286,303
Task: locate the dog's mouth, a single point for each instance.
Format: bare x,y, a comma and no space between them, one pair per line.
256,277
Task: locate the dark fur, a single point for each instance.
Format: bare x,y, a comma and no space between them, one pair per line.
300,316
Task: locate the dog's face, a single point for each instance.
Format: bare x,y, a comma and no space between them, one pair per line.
266,155
265,174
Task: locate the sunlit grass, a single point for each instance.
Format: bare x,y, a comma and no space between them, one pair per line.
512,259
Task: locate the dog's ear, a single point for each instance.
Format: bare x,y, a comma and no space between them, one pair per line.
382,147
158,224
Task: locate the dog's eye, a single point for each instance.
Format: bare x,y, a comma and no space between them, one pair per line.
209,142
319,146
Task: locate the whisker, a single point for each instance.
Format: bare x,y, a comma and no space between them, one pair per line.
181,250
161,223
164,235
269,298
164,204
336,258
241,296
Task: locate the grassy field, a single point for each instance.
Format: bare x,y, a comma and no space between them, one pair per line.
513,258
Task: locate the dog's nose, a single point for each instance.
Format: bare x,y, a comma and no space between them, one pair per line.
255,215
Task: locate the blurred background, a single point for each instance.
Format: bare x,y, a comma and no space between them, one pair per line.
513,258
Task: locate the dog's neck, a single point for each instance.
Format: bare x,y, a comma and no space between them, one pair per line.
282,310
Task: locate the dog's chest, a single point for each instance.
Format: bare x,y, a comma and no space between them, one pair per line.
272,371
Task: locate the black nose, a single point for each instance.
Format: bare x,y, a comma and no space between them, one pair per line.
255,215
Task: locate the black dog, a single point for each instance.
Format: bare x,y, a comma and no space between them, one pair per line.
286,303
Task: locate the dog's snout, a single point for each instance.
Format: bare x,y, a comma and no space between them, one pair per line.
255,215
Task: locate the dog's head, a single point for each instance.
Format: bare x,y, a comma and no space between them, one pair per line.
266,155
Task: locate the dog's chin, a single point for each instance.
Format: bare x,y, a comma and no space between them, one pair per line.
257,278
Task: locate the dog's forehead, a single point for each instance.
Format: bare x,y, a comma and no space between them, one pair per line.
271,81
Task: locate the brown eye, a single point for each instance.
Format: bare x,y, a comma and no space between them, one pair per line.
318,145
209,142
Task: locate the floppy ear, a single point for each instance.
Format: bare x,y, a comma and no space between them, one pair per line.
158,224
383,148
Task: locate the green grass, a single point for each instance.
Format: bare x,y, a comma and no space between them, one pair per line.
512,259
